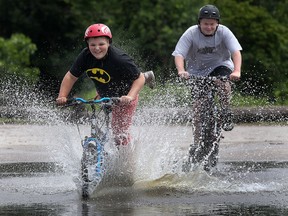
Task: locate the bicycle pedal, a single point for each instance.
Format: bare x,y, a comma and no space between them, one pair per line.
228,127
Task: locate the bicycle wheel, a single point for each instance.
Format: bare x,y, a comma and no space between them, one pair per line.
212,138
205,150
85,180
91,165
200,148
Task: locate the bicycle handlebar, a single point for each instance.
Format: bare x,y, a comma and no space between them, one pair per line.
105,100
212,78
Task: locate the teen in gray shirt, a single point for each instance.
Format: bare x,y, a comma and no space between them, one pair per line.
209,49
205,53
207,46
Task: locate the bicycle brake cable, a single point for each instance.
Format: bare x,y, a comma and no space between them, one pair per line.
78,128
79,133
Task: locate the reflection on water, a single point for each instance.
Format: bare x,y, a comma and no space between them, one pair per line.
93,208
236,188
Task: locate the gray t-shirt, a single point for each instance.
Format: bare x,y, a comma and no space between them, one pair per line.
203,54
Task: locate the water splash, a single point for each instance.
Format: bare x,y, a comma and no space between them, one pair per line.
152,162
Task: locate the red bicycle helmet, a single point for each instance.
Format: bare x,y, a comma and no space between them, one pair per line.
98,30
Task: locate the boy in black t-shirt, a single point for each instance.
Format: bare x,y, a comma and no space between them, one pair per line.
114,74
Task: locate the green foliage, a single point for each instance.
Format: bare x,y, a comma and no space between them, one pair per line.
156,25
240,100
264,40
149,30
170,95
281,93
175,95
15,56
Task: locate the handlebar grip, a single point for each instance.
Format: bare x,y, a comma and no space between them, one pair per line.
115,100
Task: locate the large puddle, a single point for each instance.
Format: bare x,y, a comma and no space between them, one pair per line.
39,173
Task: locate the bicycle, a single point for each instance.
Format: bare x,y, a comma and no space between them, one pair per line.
205,149
94,154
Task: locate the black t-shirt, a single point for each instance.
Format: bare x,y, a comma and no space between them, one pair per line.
113,75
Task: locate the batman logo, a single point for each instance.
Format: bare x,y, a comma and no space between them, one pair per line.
98,74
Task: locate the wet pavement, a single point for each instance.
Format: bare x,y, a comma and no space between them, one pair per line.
39,167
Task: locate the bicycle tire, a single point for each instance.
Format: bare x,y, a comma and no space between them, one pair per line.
92,165
206,151
211,137
85,180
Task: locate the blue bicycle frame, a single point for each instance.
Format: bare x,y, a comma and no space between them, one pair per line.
93,156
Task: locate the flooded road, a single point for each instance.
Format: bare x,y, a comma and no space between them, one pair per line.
39,173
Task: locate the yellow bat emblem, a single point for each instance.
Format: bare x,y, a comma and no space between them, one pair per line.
98,74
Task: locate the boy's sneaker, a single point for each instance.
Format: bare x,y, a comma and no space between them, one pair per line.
228,124
149,79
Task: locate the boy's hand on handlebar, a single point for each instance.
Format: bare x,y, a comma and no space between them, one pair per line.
61,101
235,75
184,74
126,99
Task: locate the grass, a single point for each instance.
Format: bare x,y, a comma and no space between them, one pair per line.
239,100
176,94
180,95
172,95
5,120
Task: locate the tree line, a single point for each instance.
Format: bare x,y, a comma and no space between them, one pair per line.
40,39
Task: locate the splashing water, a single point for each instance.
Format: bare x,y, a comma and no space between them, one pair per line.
153,161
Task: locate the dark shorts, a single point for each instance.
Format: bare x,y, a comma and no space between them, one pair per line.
221,71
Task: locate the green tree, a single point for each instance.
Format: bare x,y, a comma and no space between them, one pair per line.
153,27
56,27
149,31
15,54
264,39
